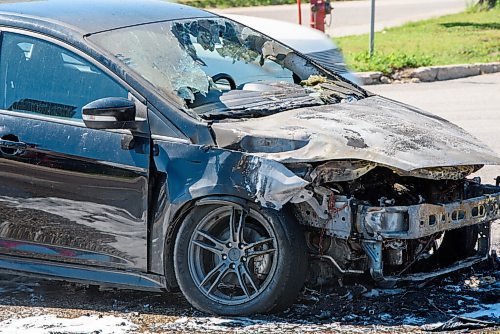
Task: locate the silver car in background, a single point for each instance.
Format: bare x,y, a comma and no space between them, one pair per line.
311,42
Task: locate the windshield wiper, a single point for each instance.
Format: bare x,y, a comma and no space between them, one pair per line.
263,99
260,109
260,99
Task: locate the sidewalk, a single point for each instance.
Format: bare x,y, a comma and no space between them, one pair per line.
353,17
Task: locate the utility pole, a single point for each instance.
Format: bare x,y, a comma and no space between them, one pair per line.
372,29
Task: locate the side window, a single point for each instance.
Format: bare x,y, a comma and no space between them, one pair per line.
43,78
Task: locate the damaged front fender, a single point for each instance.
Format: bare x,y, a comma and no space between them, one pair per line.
186,172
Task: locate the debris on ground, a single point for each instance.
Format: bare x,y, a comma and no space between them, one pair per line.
462,300
49,324
443,304
459,323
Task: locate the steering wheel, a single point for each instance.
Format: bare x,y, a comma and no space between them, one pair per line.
227,77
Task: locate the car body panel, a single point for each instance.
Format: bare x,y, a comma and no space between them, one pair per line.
373,129
82,274
69,197
186,172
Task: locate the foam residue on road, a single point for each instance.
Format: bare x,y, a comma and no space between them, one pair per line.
45,324
248,325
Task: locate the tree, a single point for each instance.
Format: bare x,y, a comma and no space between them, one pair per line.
489,3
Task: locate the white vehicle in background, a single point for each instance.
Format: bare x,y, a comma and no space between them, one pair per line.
311,42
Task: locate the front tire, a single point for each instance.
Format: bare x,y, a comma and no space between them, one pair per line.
231,260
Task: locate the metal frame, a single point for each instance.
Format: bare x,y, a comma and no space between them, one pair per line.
417,221
372,227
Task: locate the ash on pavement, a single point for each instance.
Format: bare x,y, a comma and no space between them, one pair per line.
43,306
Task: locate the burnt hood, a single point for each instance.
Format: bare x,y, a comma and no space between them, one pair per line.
373,129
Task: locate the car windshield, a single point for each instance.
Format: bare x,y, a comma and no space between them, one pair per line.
221,69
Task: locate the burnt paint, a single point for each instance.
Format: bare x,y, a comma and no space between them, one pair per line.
355,142
354,139
373,129
74,195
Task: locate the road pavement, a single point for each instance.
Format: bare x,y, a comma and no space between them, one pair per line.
353,17
472,103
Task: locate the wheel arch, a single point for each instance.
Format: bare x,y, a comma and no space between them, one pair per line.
172,228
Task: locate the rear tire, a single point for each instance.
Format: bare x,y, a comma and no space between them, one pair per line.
231,260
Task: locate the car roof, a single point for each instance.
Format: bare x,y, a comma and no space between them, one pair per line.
91,16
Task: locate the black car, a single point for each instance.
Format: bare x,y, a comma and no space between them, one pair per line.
154,146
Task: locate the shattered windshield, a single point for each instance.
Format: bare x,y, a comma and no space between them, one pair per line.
220,69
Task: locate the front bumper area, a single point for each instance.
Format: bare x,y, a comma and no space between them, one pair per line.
380,226
384,240
418,221
375,252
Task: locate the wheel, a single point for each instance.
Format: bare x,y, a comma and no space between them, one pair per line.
234,261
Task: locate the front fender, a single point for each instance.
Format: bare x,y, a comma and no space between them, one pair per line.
185,173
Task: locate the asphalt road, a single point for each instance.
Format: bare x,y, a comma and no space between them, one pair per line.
353,17
472,103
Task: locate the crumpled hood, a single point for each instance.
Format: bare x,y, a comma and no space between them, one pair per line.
372,129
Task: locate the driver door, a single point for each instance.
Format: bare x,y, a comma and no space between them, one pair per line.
68,193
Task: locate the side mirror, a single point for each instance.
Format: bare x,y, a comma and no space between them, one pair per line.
109,113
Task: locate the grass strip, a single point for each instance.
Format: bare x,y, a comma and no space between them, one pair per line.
469,37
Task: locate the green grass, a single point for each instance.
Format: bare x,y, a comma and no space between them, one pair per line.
468,37
235,3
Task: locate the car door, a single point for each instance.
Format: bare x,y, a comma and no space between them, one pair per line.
67,193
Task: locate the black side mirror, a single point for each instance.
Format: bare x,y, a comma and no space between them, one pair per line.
110,113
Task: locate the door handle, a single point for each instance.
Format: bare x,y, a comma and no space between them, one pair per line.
15,145
9,147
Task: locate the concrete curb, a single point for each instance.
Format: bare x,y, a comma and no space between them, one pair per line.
428,74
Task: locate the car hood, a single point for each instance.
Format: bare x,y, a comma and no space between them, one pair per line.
373,129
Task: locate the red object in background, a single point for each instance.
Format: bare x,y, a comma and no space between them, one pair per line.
319,10
300,11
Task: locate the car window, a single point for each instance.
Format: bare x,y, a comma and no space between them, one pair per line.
182,56
215,68
43,78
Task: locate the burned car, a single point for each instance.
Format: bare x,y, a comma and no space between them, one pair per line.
154,146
